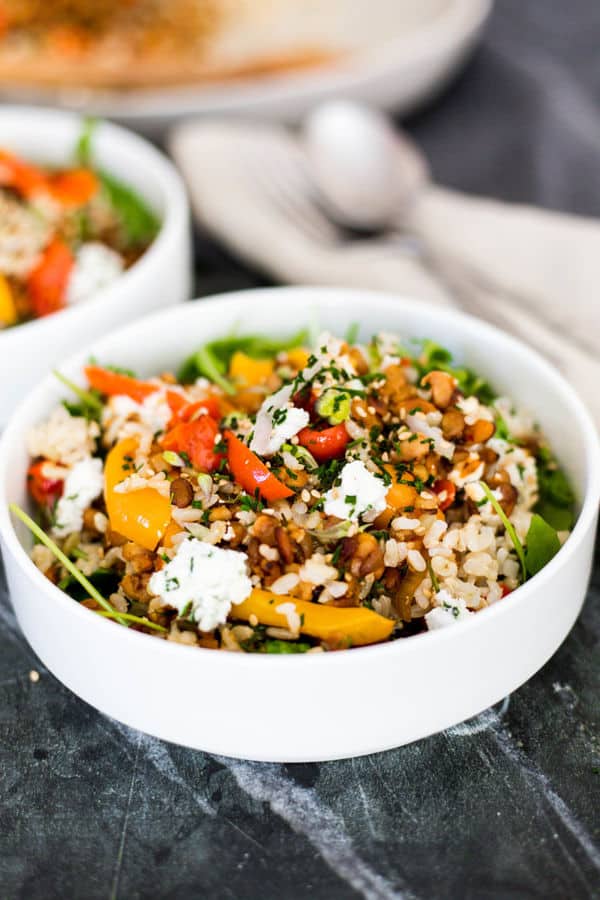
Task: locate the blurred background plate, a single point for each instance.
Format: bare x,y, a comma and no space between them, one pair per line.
395,54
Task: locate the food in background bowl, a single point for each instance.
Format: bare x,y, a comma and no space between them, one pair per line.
272,499
65,233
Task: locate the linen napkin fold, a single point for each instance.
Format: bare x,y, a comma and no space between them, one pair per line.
532,272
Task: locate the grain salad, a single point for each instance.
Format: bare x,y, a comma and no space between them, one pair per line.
271,498
66,233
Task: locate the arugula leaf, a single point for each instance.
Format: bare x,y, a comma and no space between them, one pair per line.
557,499
212,359
83,147
139,223
90,406
541,544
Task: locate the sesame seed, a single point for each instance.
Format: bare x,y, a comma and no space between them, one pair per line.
34,676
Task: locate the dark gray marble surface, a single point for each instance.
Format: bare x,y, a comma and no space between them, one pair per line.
505,806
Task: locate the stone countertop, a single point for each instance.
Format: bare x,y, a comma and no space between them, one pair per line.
504,806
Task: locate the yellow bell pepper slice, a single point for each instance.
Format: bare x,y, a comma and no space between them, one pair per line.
298,358
339,627
141,516
248,371
8,310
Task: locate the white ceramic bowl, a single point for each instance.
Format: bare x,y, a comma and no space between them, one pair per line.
332,705
160,278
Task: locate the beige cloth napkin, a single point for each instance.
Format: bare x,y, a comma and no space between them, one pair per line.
533,273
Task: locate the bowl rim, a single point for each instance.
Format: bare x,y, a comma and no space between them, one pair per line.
585,520
163,172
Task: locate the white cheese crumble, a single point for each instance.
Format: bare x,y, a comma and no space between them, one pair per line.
122,417
205,579
84,482
448,611
419,425
277,421
358,492
96,266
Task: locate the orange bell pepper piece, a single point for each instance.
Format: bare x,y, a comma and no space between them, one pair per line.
197,441
339,627
24,177
75,187
251,473
141,516
47,284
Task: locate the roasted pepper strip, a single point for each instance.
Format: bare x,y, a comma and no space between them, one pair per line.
8,310
337,627
251,473
197,441
114,383
47,284
327,444
141,516
44,490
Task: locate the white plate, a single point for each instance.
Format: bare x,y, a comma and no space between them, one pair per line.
328,705
401,53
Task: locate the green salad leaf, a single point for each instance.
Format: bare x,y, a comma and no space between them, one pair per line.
556,502
212,360
139,223
541,544
434,356
83,147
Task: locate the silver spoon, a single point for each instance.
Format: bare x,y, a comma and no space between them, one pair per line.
366,172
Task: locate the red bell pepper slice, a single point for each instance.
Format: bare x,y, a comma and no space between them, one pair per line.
45,491
47,283
330,443
197,440
444,486
183,410
251,473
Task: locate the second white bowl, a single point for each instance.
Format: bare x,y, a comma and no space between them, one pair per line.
161,277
